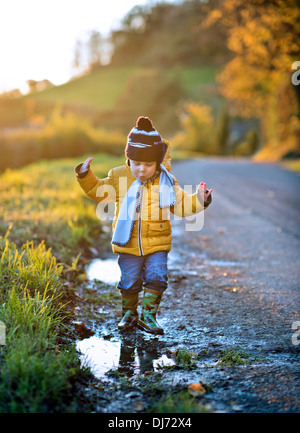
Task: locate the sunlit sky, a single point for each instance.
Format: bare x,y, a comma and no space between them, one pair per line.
38,37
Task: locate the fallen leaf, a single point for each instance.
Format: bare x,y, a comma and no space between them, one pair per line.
196,389
99,387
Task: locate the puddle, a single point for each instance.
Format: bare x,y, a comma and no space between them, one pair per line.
99,354
105,355
107,271
120,354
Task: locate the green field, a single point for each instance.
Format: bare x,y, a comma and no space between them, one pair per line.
95,112
102,88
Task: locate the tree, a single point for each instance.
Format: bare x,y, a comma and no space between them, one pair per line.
77,61
223,131
263,37
197,122
38,86
167,35
95,43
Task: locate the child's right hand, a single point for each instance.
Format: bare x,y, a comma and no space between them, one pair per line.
86,165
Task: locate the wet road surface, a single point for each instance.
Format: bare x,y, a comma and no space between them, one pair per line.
235,283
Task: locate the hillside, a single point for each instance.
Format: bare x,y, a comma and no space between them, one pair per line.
102,88
99,89
113,97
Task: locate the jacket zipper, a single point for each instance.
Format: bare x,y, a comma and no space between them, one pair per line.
140,225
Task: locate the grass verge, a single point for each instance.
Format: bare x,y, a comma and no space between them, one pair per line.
36,372
43,202
45,223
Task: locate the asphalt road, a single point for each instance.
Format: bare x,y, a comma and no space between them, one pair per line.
255,220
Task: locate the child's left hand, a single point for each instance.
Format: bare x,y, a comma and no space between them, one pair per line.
206,195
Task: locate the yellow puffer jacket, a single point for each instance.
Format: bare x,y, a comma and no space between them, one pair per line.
152,231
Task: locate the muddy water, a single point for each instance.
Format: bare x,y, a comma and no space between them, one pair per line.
105,356
138,352
105,352
99,354
111,351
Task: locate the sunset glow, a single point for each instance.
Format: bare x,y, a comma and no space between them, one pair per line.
37,39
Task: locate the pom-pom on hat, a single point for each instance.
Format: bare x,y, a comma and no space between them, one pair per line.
144,143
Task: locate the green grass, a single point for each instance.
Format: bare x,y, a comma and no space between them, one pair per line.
45,219
35,373
192,77
236,355
185,359
102,88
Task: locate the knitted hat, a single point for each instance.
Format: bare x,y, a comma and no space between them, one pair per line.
144,143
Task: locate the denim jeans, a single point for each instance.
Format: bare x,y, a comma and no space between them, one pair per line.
150,270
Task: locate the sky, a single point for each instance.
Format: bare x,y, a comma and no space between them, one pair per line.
38,37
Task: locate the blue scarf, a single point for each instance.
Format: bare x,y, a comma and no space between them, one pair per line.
131,205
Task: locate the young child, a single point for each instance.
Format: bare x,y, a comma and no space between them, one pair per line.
143,191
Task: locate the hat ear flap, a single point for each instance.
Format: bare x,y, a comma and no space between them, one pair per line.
164,150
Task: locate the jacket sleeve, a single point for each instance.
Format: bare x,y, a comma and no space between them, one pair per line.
188,204
167,159
100,190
